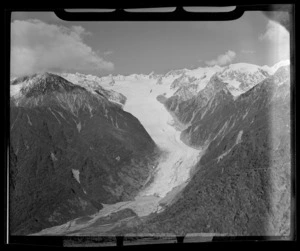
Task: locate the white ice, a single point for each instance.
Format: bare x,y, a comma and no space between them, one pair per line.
174,167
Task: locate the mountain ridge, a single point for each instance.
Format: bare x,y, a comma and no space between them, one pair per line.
241,185
237,77
72,150
234,134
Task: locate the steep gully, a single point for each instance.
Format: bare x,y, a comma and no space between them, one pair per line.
173,170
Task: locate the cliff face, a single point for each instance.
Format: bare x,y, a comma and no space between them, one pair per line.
70,151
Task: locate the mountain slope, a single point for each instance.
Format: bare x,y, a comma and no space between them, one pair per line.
71,150
239,77
196,106
241,186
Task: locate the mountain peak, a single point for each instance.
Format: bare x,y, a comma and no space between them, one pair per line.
278,65
272,69
216,83
27,78
243,67
40,84
282,74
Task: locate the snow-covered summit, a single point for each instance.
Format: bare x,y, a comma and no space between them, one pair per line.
243,67
38,84
280,64
272,69
239,78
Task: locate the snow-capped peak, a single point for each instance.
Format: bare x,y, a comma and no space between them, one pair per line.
37,84
243,67
275,67
177,72
239,78
272,69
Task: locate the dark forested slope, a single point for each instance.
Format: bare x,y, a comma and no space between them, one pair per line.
70,151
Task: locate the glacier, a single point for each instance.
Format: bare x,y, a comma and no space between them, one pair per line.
142,103
178,160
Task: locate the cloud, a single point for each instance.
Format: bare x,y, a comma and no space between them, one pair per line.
279,38
275,32
222,59
37,46
106,53
247,51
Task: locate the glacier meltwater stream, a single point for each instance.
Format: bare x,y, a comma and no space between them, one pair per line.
173,171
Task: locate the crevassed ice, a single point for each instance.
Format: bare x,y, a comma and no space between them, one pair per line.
174,169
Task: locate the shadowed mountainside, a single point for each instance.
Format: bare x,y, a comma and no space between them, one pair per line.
70,151
241,186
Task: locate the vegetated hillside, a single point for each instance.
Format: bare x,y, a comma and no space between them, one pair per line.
241,186
70,151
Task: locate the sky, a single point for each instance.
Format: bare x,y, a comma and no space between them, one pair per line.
43,42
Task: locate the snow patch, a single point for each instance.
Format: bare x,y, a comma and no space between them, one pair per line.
239,137
235,93
117,126
60,113
112,121
237,141
76,174
53,157
203,113
90,110
234,83
78,126
106,113
221,132
54,115
196,128
244,116
12,126
28,120
15,90
223,155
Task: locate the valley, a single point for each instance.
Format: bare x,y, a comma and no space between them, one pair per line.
175,164
180,152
